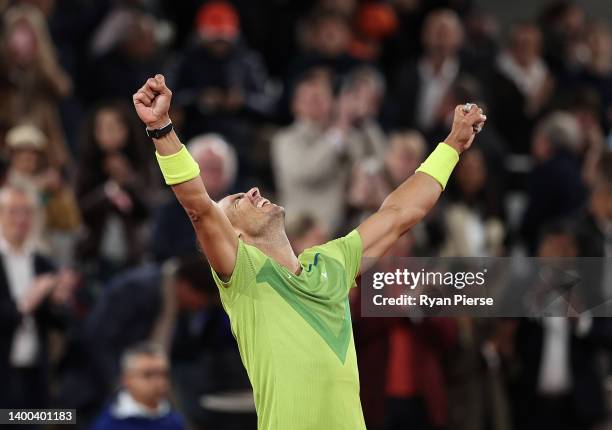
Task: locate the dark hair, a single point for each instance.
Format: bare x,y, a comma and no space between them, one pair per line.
561,227
309,75
90,155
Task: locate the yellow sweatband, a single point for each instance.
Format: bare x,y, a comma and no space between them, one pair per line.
178,167
440,163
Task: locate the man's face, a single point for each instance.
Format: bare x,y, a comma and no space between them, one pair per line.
146,379
527,45
313,100
16,215
443,34
251,214
213,173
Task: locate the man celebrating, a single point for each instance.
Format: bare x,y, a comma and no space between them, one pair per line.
290,314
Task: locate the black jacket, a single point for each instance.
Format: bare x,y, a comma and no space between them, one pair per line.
46,316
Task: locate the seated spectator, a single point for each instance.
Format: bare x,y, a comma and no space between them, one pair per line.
522,87
471,224
31,80
312,157
113,185
59,216
29,308
220,83
142,402
420,86
555,187
205,358
172,234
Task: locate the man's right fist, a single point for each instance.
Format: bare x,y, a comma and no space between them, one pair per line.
152,102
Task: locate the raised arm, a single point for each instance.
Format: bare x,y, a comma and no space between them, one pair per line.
412,200
215,233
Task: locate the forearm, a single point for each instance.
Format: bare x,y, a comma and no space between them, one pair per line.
412,200
191,194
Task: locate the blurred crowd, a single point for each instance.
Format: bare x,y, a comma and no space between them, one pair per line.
106,304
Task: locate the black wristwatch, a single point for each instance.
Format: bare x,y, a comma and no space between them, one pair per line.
158,133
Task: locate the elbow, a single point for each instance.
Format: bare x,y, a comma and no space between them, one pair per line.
405,218
197,209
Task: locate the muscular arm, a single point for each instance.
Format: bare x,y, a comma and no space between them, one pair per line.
215,233
412,200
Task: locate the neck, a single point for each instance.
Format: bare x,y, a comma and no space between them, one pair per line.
436,60
279,249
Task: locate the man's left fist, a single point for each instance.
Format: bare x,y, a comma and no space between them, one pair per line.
469,120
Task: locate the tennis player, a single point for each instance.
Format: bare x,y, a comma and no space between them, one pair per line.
290,314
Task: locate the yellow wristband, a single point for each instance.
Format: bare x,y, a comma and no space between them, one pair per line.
178,167
440,163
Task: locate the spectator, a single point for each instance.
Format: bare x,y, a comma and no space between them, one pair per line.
205,359
420,85
172,231
29,308
372,180
125,313
312,157
113,185
31,80
221,83
555,183
400,361
559,385
594,234
125,44
325,39
597,72
59,216
364,89
563,23
471,226
523,86
142,402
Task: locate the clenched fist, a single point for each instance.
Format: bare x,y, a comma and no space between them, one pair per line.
465,126
152,102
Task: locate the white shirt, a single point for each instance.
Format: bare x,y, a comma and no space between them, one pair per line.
555,377
19,269
433,89
126,407
528,80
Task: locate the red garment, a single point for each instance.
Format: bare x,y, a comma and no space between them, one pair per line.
401,379
430,339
